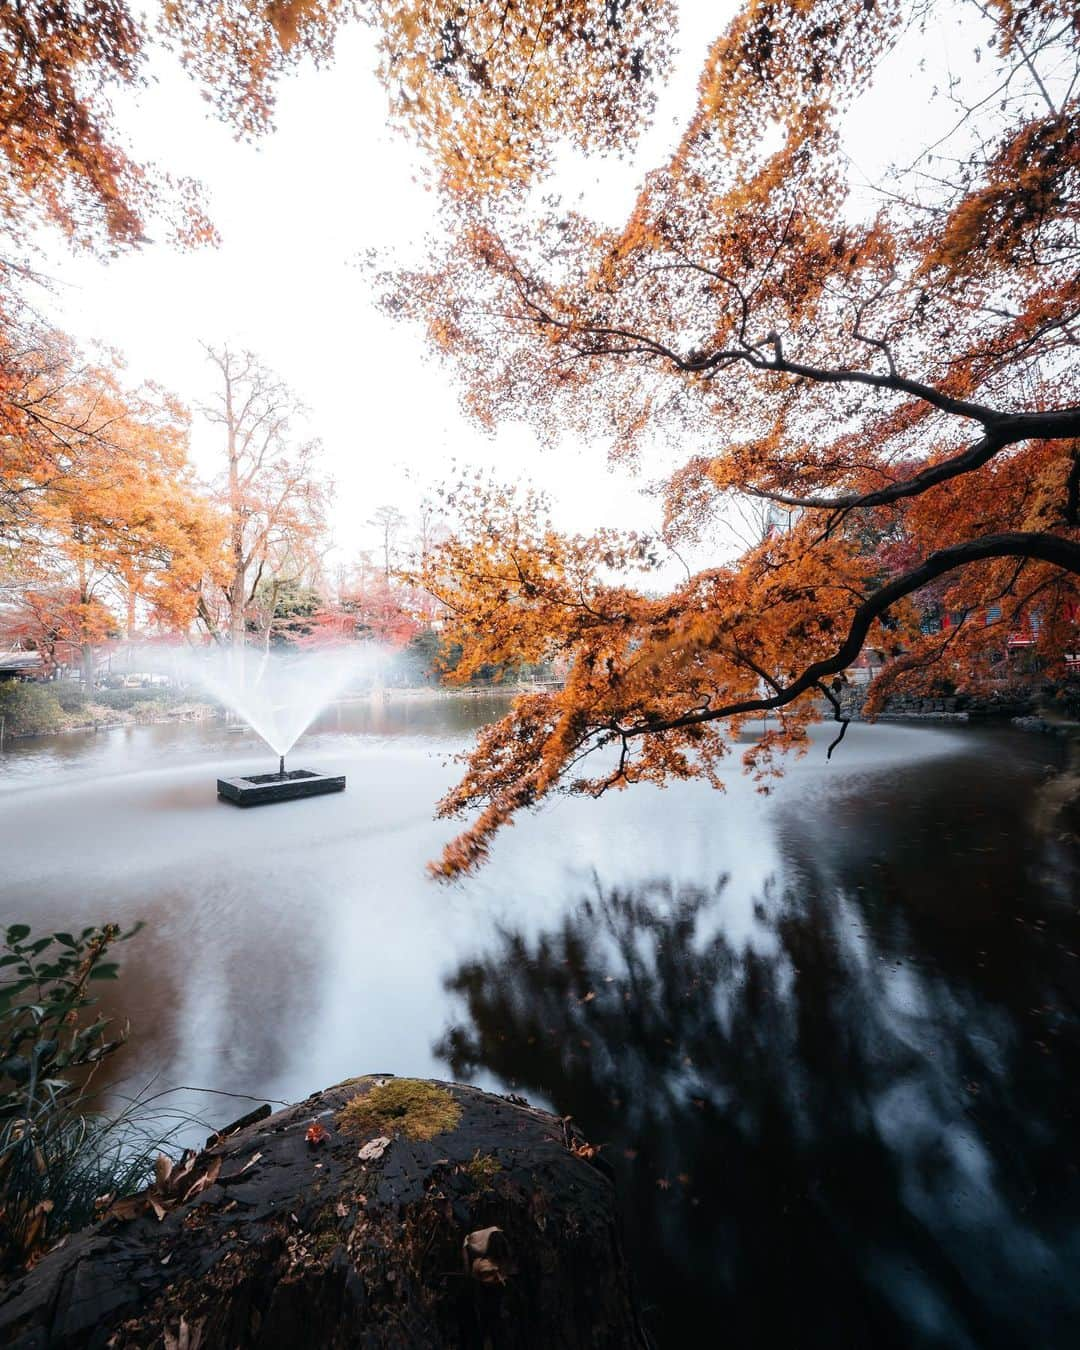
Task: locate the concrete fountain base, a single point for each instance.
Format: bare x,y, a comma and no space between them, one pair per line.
261,788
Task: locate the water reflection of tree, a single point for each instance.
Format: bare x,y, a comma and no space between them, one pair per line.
817,1142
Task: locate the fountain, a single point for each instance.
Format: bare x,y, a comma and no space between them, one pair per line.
278,697
260,788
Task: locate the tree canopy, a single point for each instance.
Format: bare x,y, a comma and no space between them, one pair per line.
62,157
892,364
99,506
486,88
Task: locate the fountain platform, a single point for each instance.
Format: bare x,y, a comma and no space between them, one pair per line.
262,788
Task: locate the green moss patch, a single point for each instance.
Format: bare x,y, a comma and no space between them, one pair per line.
482,1170
405,1106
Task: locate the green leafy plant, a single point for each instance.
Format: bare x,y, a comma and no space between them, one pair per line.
123,700
71,697
56,1157
29,709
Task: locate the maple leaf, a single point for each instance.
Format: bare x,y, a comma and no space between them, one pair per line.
316,1133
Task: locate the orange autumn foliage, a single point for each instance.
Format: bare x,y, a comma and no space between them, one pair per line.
486,87
97,496
896,368
490,89
62,62
56,623
896,371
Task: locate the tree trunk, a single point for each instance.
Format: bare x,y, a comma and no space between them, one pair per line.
237,591
86,650
237,596
493,1233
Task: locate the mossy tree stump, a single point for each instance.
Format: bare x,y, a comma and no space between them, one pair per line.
382,1212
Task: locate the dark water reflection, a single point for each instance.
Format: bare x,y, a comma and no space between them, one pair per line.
858,1128
828,1039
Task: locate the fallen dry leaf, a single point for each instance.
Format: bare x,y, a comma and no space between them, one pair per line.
186,1337
128,1208
374,1148
34,1224
205,1181
486,1255
487,1272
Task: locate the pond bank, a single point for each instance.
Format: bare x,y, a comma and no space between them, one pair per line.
382,1212
1025,711
93,716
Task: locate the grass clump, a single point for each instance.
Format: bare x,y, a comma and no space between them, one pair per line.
482,1169
407,1106
58,1156
125,700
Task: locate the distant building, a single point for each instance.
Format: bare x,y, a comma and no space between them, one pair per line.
778,519
16,665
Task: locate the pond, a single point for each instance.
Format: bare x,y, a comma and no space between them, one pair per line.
828,1038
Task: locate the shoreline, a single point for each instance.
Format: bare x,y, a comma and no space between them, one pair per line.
195,710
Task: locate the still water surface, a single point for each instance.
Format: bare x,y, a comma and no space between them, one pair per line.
828,1039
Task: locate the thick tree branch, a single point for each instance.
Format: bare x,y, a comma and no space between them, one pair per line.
974,457
1054,549
1002,429
900,384
1005,431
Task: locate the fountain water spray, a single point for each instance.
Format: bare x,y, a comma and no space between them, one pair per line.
278,695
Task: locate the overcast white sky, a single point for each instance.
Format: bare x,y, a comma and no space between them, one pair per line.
295,212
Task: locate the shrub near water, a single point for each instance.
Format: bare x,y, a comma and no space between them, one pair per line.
29,709
57,1157
71,697
123,700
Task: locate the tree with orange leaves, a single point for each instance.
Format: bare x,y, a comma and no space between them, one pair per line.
901,378
581,69
91,478
56,622
104,505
